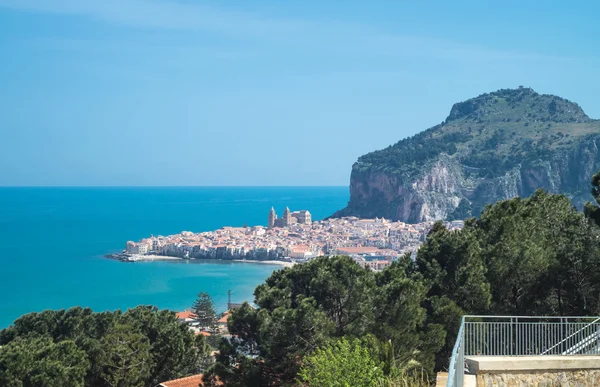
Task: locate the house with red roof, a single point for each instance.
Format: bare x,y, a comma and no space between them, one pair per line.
188,381
185,317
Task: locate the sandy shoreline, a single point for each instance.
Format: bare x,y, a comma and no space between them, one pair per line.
151,258
282,263
139,257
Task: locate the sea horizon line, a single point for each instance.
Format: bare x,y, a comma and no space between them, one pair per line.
173,186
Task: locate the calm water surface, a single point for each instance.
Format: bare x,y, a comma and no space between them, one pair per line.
53,239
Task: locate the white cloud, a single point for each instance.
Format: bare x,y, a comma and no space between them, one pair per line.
159,14
330,38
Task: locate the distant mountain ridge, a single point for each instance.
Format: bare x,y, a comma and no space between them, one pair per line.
492,147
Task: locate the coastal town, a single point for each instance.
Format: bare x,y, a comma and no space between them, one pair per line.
293,238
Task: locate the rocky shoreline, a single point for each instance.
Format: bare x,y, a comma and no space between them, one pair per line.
124,257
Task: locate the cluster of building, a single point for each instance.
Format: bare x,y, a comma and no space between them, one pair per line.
296,238
221,330
188,317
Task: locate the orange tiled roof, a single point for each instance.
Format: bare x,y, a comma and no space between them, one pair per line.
184,315
190,381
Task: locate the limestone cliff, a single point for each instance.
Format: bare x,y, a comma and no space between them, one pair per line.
492,147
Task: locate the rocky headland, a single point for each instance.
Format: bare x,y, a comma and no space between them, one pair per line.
496,146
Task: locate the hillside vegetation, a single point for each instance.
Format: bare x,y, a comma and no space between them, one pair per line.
491,133
495,146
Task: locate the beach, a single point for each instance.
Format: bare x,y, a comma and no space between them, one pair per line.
153,257
282,263
150,257
140,257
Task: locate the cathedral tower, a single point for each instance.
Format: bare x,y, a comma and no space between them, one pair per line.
287,217
272,218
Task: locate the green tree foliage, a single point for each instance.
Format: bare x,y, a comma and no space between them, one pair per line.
39,362
591,210
173,348
397,303
202,358
343,363
236,365
536,255
205,313
452,263
542,257
143,346
304,307
125,357
533,256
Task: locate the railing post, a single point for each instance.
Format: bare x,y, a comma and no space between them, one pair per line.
565,334
460,369
517,336
597,341
512,338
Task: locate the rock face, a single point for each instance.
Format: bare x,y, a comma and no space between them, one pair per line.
492,147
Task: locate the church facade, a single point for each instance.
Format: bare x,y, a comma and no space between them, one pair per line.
288,218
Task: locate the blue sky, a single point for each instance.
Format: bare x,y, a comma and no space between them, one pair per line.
238,92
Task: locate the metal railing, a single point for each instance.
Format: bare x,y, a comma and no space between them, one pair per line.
522,336
456,371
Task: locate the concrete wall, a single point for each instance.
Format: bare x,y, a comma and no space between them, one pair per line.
582,378
535,371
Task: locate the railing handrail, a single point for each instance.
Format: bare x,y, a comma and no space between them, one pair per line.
518,330
453,367
532,317
570,336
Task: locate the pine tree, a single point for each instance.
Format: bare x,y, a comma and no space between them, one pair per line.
204,312
125,357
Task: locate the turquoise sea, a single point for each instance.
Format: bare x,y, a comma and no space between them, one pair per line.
52,242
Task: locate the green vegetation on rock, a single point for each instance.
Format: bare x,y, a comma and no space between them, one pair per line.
493,147
492,132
